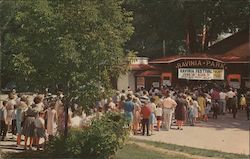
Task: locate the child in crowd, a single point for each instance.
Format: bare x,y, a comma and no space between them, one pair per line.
40,128
243,103
207,110
158,114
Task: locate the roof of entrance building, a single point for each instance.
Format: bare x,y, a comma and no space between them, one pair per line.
234,49
170,59
197,56
237,44
138,67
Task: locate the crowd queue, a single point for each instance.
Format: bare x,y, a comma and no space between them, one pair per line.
43,116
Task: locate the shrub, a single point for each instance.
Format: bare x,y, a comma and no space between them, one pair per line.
100,140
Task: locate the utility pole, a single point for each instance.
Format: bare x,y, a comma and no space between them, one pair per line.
164,48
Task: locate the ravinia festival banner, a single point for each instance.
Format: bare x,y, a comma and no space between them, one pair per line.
200,74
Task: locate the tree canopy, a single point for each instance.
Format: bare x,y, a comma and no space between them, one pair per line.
173,20
80,44
76,44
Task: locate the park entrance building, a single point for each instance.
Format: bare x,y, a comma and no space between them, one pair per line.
226,63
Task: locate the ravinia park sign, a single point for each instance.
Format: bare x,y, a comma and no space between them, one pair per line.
200,63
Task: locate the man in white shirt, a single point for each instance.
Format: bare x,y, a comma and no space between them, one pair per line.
230,93
230,96
168,109
223,97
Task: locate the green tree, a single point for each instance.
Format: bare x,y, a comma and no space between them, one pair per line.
77,44
71,42
172,20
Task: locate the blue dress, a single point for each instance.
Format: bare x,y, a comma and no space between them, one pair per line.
19,119
128,110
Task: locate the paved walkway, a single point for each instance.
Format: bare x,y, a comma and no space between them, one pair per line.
224,134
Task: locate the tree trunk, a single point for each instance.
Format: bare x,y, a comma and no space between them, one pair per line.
191,36
66,110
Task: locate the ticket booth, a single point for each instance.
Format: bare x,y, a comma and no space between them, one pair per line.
234,80
166,79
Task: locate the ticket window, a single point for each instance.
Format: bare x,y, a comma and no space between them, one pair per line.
234,80
167,79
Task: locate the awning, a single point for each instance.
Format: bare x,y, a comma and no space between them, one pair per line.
137,67
149,73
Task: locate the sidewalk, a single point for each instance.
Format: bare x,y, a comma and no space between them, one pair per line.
224,134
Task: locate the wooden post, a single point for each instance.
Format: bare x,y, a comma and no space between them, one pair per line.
164,47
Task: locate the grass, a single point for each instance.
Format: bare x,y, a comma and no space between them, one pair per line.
194,151
128,151
135,152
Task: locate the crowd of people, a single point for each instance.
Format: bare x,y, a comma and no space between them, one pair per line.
35,117
158,109
43,116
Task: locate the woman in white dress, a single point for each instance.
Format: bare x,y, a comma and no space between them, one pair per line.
10,107
196,109
52,119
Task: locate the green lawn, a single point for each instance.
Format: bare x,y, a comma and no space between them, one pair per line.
195,151
133,151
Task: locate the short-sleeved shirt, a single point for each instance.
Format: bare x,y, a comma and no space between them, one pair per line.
146,112
158,111
215,95
223,95
169,103
77,122
128,106
230,94
153,107
144,99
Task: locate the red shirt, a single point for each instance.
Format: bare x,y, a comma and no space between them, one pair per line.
146,112
215,95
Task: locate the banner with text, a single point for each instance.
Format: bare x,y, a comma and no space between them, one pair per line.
200,74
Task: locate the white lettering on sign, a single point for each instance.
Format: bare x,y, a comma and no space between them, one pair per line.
200,63
200,74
